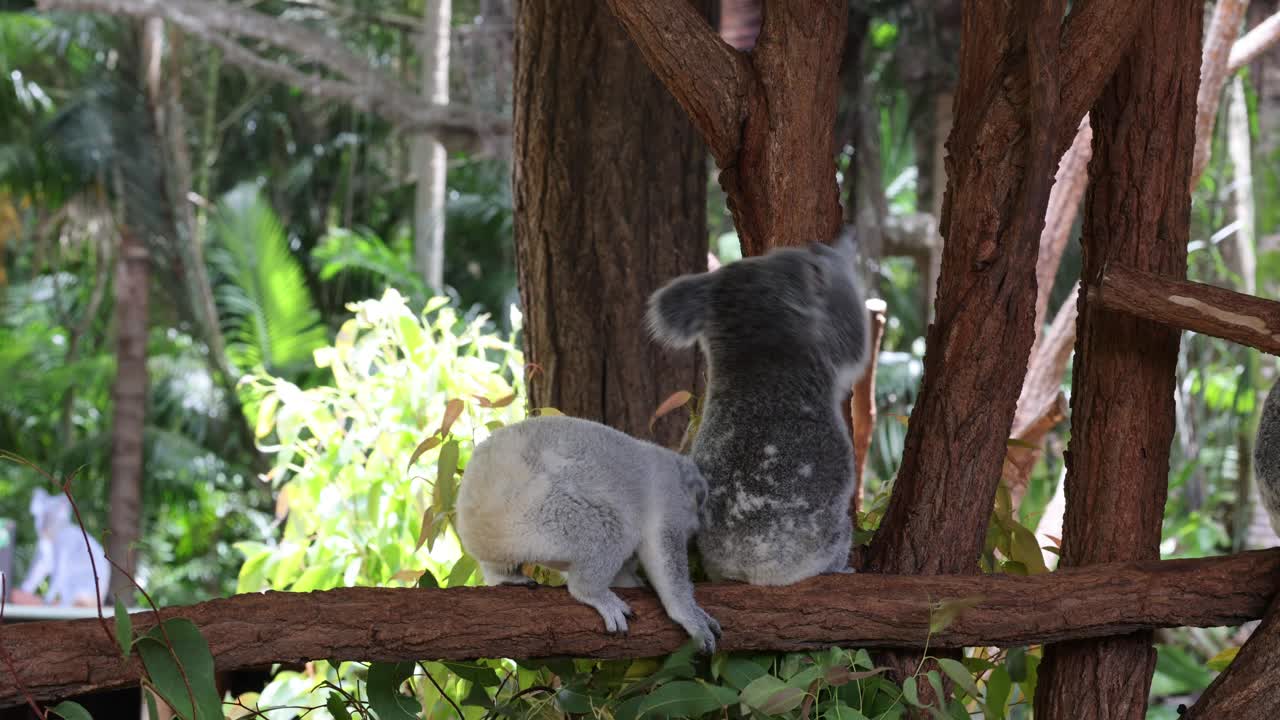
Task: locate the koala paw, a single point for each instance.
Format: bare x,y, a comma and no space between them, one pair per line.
705,630
615,612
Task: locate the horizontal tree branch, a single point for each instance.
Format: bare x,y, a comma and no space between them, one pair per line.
709,79
356,80
65,658
1186,305
1254,43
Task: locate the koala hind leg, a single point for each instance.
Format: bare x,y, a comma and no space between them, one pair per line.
503,574
666,562
627,576
588,582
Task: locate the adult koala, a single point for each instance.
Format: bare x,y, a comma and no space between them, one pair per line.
785,336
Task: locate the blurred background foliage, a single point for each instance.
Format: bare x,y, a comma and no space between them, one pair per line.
303,210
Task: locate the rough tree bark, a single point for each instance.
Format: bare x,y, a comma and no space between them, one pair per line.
767,116
1003,154
67,657
1025,80
1185,305
602,218
1137,211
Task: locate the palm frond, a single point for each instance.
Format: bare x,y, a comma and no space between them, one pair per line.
269,317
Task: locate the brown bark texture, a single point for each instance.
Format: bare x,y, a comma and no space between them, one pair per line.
1247,688
1003,151
1186,305
129,407
767,116
1137,211
63,658
602,218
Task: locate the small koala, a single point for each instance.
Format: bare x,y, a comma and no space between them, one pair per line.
62,557
588,500
785,336
1266,456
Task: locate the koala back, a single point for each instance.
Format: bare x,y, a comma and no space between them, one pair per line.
1266,456
785,336
533,486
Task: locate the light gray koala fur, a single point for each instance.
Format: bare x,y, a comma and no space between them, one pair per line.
589,501
785,336
1266,456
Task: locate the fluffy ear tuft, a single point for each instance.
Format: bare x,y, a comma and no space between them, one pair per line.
847,244
678,311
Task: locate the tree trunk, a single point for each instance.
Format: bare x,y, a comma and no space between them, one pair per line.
610,202
1137,212
129,407
429,156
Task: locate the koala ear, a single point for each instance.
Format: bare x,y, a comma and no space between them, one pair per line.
678,311
847,244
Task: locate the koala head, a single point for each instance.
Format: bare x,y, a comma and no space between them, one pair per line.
791,300
50,512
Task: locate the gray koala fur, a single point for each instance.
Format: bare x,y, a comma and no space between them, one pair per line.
785,335
590,501
1266,456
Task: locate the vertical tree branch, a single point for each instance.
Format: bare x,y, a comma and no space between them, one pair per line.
1223,29
1137,212
862,406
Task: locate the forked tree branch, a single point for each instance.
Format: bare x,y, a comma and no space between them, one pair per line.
1095,35
65,658
709,79
1185,305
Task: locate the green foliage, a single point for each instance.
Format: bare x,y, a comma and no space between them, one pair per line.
354,512
269,319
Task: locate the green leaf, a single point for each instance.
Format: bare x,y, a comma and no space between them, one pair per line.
935,681
740,672
428,580
910,693
189,657
806,677
628,709
152,711
771,696
476,673
444,493
423,446
679,664
959,674
573,701
462,571
385,697
337,706
1223,659
999,687
124,628
685,698
71,711
1016,662
1026,550
945,612
839,711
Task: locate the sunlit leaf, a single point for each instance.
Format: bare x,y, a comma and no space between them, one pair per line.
452,410
423,446
676,400
1223,659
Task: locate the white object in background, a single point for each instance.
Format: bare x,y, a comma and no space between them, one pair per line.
61,555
